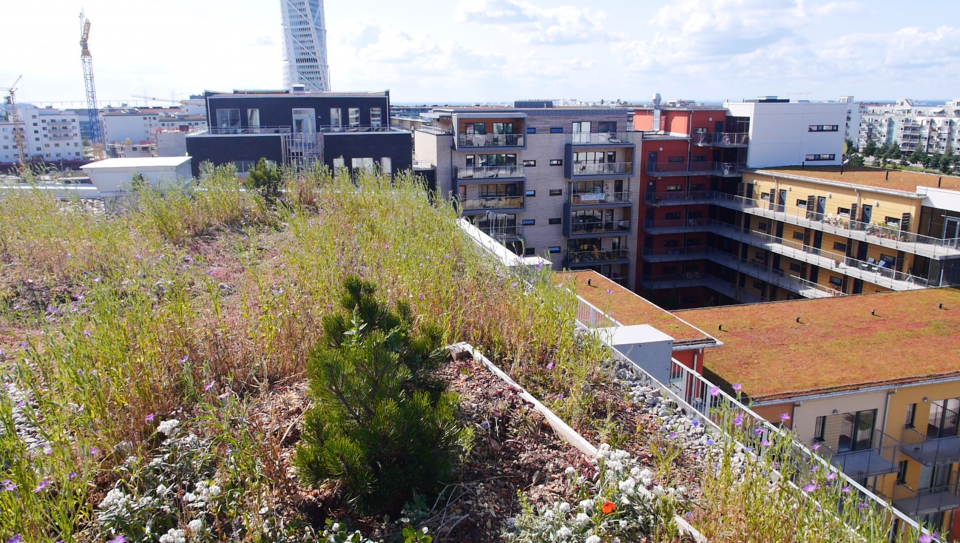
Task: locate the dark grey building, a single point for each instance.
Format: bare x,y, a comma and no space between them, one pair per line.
296,128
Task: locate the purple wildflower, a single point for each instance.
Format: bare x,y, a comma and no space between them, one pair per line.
15,539
387,246
738,420
86,333
765,443
862,506
714,391
815,446
696,423
96,279
137,256
184,359
224,395
925,539
209,386
784,417
831,476
513,284
810,487
43,484
560,396
94,451
737,387
609,291
8,485
550,365
845,490
118,539
758,431
210,272
421,295
711,442
71,476
149,417
672,435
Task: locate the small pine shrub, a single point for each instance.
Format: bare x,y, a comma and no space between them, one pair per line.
381,426
267,179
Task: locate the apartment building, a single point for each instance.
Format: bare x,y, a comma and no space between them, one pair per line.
931,129
49,135
339,130
554,182
872,383
134,125
181,121
720,227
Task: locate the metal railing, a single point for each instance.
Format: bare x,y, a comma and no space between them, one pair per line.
881,458
697,249
596,257
720,139
924,501
237,130
661,169
678,197
596,138
501,233
490,140
487,172
930,451
600,227
328,129
492,202
601,168
594,198
588,316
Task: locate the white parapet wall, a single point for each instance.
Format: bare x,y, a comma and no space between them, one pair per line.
114,176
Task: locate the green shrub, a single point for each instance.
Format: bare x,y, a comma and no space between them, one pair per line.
267,179
381,426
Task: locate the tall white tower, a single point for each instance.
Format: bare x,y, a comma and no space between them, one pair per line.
305,45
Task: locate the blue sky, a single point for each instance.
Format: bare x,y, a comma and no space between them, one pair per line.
434,51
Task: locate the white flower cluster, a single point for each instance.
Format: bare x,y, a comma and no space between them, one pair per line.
174,536
621,503
168,427
201,494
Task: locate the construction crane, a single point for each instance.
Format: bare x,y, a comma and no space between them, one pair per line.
96,131
151,98
17,129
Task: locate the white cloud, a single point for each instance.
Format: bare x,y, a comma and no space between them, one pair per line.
265,41
563,25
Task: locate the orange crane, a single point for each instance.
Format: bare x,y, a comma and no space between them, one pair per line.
17,128
96,131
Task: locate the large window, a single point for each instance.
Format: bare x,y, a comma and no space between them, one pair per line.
354,114
856,430
503,128
253,118
594,157
335,120
228,119
375,118
498,189
304,121
943,418
489,160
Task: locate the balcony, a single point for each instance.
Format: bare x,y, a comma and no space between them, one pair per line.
684,169
481,173
602,139
503,233
471,206
880,459
931,451
600,199
471,141
581,259
587,229
678,198
675,254
698,279
238,130
678,226
720,139
578,170
926,500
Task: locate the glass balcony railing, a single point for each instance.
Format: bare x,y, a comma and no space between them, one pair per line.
596,138
492,202
602,168
488,172
720,139
931,451
881,458
503,232
490,140
600,227
586,258
594,198
925,501
666,169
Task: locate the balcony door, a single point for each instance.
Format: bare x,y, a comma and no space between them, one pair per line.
943,418
951,228
856,431
581,132
304,121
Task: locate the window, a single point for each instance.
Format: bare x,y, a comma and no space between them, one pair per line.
675,159
698,159
386,165
842,247
762,226
902,472
697,186
354,116
528,222
674,188
844,211
911,415
673,216
758,285
820,429
822,128
529,251
228,119
556,192
890,261
362,164
795,267
765,196
797,235
893,222
671,243
801,203
555,249
529,163
821,157
556,162
556,130
531,130
554,221
758,255
376,120
607,126
335,120
253,118
531,193
304,121
502,128
835,281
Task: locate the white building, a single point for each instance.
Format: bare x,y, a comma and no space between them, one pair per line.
50,135
932,129
784,132
133,125
182,122
114,176
854,114
304,45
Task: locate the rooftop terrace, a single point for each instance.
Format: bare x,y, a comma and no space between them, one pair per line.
872,177
838,343
628,308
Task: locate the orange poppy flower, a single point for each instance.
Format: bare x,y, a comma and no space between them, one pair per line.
609,507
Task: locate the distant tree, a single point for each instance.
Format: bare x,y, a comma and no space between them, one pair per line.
935,161
870,149
917,156
850,147
856,160
894,153
884,151
946,161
